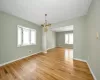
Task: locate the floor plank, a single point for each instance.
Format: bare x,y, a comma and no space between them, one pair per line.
57,64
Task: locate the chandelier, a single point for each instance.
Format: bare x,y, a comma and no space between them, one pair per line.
46,24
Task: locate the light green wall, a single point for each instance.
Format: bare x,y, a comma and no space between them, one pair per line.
79,35
93,46
60,39
8,38
51,39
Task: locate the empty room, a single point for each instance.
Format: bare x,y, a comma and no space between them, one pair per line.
49,40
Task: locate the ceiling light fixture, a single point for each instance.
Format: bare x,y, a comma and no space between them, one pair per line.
46,24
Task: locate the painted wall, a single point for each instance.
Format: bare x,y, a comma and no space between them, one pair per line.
93,46
79,35
8,38
51,39
60,39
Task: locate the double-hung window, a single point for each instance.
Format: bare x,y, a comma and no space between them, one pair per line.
69,38
26,36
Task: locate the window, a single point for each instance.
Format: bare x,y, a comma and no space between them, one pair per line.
26,36
69,38
66,38
33,37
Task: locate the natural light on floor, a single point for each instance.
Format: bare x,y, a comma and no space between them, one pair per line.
69,54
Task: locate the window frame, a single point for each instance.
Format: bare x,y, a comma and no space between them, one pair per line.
30,29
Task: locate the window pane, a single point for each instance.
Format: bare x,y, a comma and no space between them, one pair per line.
70,38
26,38
19,36
66,38
33,37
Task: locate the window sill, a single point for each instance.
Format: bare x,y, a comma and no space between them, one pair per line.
25,45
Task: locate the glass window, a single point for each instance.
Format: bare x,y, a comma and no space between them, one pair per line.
69,38
66,38
26,36
33,37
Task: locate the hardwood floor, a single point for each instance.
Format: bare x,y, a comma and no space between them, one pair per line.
55,65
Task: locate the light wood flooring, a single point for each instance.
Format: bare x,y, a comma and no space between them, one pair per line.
55,65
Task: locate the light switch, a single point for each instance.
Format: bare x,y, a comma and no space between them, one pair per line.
97,35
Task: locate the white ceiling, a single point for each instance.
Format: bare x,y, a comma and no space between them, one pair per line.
60,29
34,10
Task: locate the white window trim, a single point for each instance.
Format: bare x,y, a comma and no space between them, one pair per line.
19,26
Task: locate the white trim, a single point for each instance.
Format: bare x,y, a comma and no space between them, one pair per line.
47,50
50,48
25,45
88,67
25,27
80,60
91,71
30,30
64,47
19,58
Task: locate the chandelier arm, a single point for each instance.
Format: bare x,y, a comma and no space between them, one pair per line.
46,24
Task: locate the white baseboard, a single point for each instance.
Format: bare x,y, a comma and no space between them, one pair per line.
64,47
47,50
88,66
19,58
50,48
80,59
60,46
91,71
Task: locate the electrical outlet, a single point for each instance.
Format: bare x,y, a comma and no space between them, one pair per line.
30,51
97,35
